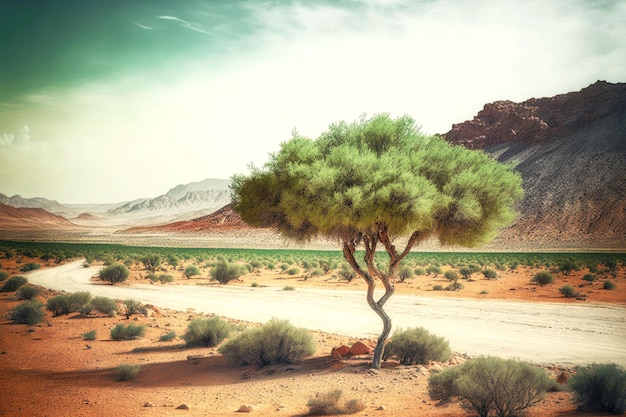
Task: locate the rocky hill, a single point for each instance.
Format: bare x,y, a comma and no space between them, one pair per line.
571,152
26,218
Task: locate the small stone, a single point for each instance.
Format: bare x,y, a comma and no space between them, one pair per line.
245,409
149,404
381,408
182,407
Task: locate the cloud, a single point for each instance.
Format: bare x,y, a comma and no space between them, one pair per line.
140,25
188,25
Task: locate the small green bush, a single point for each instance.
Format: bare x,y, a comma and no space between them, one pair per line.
254,284
27,292
3,276
417,346
129,332
225,272
131,307
275,342
568,291
543,278
13,284
466,272
289,288
191,270
492,385
451,275
104,305
590,277
31,266
30,312
405,272
601,387
435,270
126,372
346,272
68,303
293,271
608,285
168,336
90,335
207,331
327,404
420,271
114,273
438,288
490,273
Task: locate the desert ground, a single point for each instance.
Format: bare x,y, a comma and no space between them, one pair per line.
49,370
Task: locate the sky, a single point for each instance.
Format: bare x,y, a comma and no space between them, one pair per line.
109,101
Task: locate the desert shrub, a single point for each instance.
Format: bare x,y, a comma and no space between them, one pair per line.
289,288
420,271
490,384
90,335
27,292
68,303
168,336
284,266
271,266
316,272
277,341
451,275
225,272
346,272
568,291
417,346
31,266
293,271
128,332
405,272
13,284
466,272
601,387
207,331
608,285
590,277
542,278
104,305
114,273
4,275
326,404
126,372
442,385
131,307
438,288
568,266
435,270
191,270
490,273
29,312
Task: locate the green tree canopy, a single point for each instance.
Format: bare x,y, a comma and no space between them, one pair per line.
372,181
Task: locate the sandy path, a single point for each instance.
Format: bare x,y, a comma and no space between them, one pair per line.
536,332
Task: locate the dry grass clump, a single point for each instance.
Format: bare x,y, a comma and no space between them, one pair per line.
327,404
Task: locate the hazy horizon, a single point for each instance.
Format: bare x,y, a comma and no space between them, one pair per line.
105,102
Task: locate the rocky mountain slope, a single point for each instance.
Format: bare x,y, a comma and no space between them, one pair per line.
571,152
27,218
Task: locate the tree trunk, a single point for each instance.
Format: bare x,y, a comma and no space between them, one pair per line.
378,309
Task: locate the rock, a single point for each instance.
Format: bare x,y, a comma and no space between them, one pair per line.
245,409
359,348
182,407
340,352
562,378
149,404
381,408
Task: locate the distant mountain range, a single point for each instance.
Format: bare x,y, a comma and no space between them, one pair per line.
570,150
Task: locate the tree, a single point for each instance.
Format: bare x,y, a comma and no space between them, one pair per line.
152,262
114,273
372,182
191,270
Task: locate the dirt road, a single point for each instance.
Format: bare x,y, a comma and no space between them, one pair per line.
536,332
